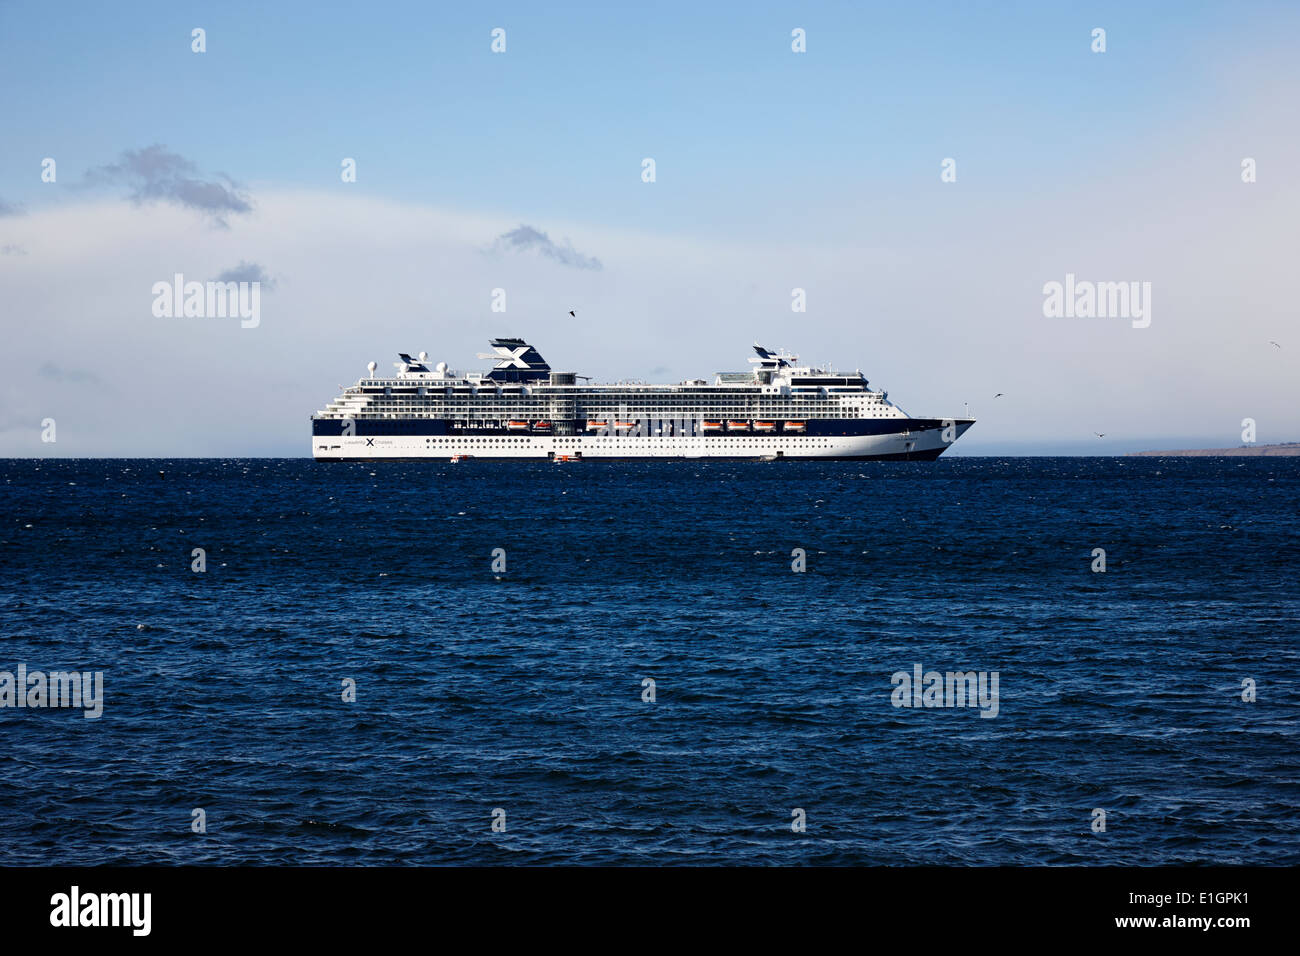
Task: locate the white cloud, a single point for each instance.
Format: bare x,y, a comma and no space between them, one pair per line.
940,317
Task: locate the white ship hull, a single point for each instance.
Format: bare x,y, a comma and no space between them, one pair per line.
919,445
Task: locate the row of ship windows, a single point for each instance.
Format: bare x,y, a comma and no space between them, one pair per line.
515,399
621,399
588,411
613,400
702,394
803,439
514,408
545,415
370,415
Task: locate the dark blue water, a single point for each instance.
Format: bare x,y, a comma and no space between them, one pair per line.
522,691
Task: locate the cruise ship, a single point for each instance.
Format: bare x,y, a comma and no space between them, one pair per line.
521,409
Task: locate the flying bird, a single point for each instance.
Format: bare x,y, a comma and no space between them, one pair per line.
1274,344
998,395
572,313
1100,434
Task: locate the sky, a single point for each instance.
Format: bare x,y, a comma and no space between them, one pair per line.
775,170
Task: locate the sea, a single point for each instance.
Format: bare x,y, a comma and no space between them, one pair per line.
651,663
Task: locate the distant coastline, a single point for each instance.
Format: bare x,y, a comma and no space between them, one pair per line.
1241,451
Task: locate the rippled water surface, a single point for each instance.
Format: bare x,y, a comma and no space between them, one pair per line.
523,690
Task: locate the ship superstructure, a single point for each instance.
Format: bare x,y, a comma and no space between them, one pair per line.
520,408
